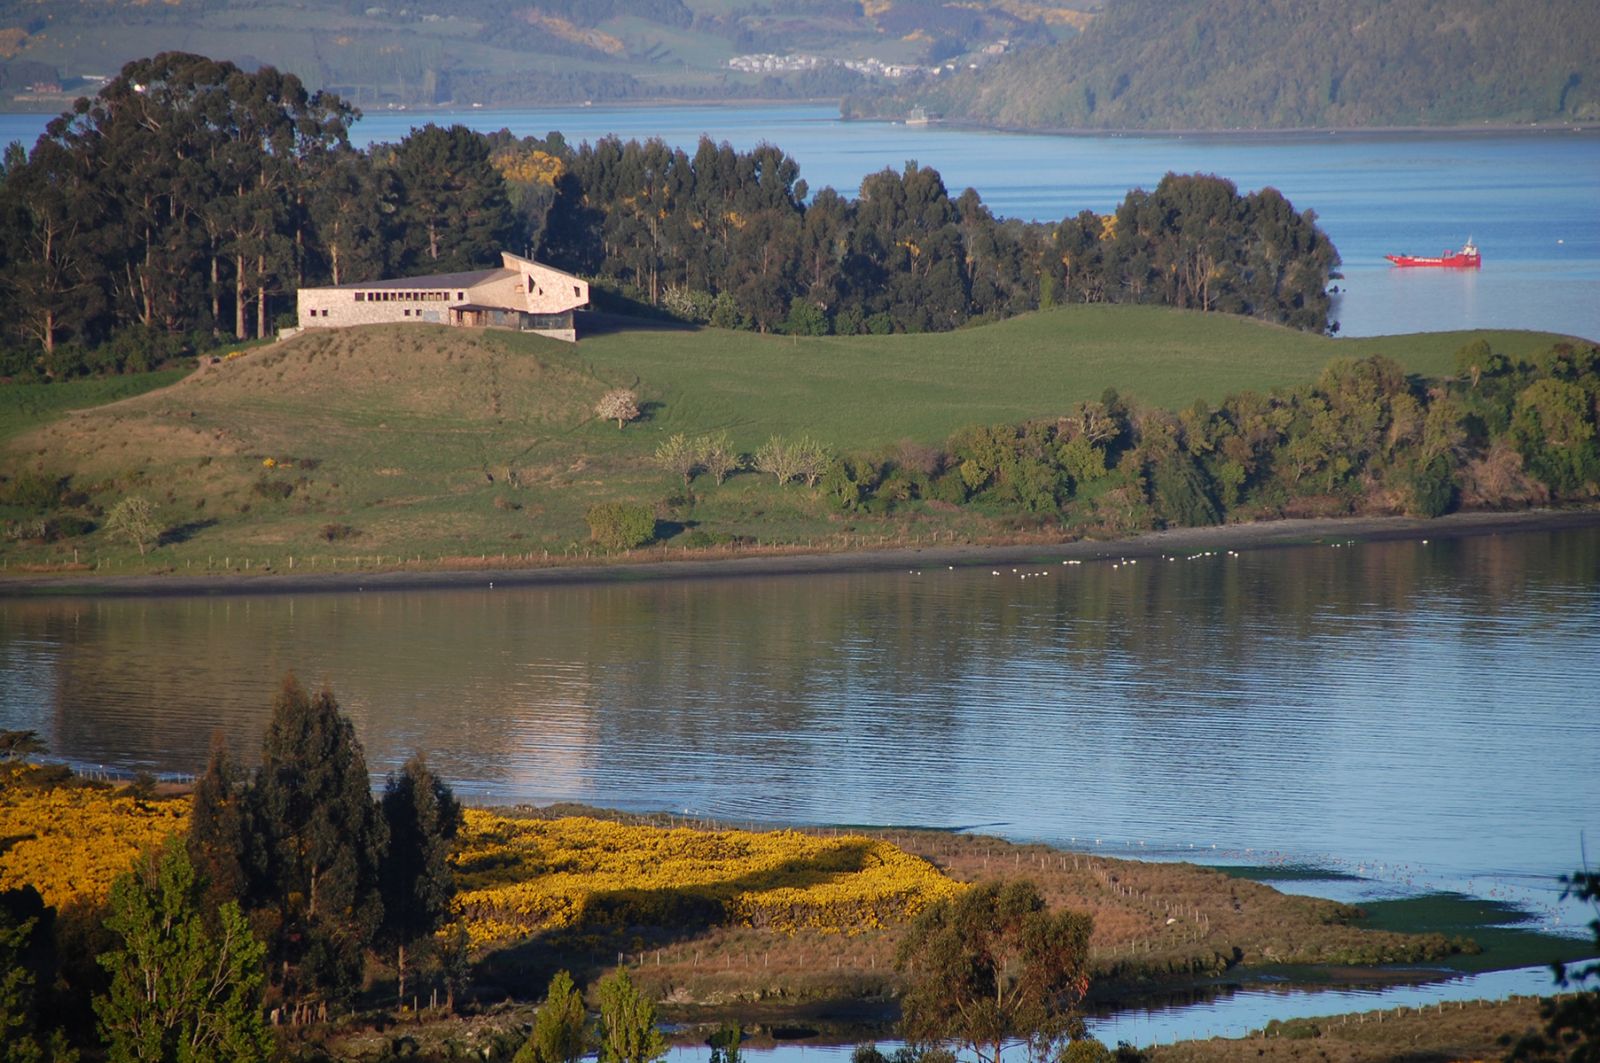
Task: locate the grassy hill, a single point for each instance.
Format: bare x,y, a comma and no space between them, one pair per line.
419,443
1276,64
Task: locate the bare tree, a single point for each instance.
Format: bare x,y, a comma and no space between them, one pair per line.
718,457
679,456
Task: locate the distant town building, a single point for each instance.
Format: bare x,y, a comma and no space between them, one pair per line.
521,294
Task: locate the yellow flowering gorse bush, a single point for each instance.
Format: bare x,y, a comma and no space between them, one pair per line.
70,843
518,876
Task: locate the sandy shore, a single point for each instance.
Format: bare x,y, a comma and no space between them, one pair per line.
1262,535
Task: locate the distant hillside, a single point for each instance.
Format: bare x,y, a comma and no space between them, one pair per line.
499,52
1246,64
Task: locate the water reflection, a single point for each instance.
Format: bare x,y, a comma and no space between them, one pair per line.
1419,707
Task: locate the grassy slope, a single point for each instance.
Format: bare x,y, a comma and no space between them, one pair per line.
445,444
865,391
24,406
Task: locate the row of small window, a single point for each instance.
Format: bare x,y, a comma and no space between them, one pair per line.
407,297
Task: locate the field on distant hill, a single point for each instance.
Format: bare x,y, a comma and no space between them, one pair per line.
496,53
413,444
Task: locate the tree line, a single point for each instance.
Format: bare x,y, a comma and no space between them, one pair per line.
1364,437
190,199
738,240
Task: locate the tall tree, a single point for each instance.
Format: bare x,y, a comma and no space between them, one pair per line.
317,844
180,990
217,826
992,966
50,209
422,817
454,210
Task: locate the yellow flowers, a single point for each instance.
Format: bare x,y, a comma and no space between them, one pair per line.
271,463
70,843
530,167
516,876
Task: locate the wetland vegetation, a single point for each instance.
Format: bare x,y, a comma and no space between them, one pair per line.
718,924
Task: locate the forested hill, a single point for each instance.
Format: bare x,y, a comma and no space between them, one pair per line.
1246,64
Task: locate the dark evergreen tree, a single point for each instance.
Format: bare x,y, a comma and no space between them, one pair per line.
422,817
453,212
217,827
27,968
317,844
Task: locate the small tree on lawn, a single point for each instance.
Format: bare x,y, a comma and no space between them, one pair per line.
619,404
718,457
134,519
679,456
810,460
628,1031
778,457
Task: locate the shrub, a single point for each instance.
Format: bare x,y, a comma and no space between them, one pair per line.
69,526
621,526
335,532
1432,489
32,490
275,489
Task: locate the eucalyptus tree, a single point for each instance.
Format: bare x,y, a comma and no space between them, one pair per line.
49,216
454,213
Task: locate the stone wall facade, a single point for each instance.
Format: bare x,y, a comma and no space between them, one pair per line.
520,285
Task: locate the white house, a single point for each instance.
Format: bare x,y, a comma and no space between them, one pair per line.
522,294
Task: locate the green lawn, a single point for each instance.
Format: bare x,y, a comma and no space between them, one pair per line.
867,390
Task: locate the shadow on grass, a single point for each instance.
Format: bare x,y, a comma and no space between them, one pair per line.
633,318
182,533
635,920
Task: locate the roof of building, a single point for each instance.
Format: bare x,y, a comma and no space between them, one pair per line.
435,280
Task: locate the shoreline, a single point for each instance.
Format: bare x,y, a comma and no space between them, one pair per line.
1275,534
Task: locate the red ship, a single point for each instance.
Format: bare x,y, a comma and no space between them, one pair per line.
1466,258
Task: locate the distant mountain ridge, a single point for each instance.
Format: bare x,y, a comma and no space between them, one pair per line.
384,53
1279,64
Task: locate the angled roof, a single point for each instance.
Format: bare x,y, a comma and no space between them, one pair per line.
435,280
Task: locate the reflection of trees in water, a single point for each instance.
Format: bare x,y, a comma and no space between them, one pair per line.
1247,668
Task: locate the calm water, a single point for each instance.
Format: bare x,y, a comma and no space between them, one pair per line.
1418,715
1531,202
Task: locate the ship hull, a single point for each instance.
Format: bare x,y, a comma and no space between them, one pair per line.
1454,260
